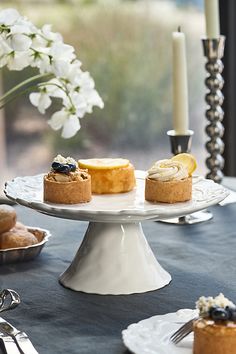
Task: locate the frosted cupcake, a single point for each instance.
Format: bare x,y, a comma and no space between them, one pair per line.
170,180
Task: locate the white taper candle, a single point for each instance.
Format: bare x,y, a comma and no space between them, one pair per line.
180,85
212,19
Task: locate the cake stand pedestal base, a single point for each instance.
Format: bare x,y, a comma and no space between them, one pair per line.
114,258
194,218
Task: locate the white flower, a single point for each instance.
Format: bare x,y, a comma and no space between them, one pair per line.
40,100
17,60
72,72
19,36
41,60
62,51
22,45
20,42
71,127
62,55
79,103
85,81
4,51
68,122
49,35
9,16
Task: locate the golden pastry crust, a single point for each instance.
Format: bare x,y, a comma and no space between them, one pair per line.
214,338
76,190
112,180
168,191
7,218
16,239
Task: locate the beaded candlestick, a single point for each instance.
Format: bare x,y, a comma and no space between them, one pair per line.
214,51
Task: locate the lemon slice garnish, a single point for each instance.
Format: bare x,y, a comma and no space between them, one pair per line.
187,160
103,164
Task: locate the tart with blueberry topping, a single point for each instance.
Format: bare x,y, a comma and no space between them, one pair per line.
215,330
66,183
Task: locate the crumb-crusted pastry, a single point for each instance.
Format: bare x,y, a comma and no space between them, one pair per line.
110,175
215,330
168,181
66,183
7,218
16,239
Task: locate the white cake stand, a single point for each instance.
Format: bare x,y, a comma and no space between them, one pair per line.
114,257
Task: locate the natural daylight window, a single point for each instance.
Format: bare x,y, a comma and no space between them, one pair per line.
126,46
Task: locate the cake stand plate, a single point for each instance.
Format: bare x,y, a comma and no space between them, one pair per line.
114,256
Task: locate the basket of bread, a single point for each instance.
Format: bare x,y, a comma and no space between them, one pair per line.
19,242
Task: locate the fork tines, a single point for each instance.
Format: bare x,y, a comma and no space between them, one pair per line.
183,331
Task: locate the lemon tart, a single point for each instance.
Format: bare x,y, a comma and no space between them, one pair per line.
109,175
170,180
66,183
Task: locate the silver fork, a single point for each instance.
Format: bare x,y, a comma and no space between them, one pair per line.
183,331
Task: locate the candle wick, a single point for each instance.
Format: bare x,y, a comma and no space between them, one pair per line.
179,28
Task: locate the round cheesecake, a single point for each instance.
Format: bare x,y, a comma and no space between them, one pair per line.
109,176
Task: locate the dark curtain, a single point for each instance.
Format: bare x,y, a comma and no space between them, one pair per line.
228,28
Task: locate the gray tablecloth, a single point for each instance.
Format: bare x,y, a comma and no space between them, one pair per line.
201,259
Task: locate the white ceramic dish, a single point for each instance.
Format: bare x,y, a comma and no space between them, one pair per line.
151,336
123,207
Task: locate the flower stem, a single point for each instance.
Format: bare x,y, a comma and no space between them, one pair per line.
12,97
6,96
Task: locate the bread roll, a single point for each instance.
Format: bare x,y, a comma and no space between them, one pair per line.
7,218
16,239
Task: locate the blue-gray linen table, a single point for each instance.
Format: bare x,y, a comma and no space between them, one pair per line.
201,259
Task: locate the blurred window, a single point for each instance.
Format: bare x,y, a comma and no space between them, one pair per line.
126,46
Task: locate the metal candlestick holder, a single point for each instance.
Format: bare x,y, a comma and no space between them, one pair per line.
214,51
182,144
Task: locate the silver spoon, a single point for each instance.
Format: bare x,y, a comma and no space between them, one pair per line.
9,299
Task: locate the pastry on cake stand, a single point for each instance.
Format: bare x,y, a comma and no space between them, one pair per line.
182,144
114,256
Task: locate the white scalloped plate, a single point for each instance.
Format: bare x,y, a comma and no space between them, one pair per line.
152,335
127,207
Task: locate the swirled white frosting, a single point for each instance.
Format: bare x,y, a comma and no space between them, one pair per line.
167,170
